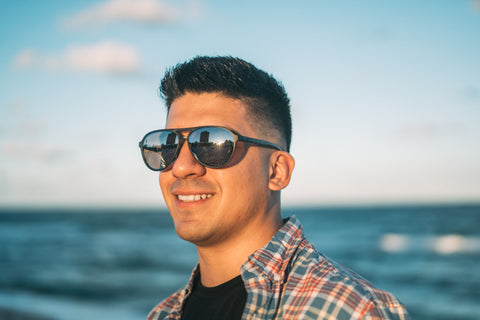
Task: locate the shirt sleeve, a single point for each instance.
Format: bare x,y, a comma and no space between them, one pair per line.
387,312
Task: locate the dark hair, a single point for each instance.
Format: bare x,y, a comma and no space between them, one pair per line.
265,97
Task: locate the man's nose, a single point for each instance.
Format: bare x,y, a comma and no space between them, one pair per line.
186,166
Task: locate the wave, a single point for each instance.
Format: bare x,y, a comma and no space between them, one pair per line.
441,244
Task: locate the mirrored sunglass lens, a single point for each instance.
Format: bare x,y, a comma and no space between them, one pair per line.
159,149
212,146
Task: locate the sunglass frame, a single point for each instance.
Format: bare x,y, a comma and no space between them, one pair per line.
183,135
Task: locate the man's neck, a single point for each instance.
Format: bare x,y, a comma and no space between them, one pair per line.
223,261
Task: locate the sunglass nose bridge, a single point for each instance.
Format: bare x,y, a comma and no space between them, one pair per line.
183,135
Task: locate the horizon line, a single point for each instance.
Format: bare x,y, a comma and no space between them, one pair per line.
285,207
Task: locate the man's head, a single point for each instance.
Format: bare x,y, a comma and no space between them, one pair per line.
265,98
239,201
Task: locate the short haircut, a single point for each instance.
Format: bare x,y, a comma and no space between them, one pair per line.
267,102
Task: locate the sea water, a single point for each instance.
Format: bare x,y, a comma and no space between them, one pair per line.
72,264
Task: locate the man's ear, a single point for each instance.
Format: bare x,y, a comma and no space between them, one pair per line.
281,168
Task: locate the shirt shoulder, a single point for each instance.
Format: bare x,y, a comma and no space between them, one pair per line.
321,288
168,307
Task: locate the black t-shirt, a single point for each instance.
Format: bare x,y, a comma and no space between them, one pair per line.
225,301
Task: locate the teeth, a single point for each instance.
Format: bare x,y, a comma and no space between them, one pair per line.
193,197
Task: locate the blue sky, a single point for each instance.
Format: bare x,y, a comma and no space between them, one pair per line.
385,94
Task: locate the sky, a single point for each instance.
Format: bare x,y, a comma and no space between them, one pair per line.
385,94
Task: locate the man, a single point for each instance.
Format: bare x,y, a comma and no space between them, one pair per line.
223,160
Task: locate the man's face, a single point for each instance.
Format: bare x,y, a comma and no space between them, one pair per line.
212,206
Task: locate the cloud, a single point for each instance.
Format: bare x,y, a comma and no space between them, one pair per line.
18,122
430,130
25,59
104,57
33,153
17,107
476,5
108,57
138,11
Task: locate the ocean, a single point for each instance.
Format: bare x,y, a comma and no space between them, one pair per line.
72,264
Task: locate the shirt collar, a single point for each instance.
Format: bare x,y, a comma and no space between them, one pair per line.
269,261
272,260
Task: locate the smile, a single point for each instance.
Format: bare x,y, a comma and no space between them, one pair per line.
193,197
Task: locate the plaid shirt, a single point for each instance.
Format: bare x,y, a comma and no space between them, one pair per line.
289,279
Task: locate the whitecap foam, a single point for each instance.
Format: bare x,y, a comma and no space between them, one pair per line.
392,242
454,243
442,244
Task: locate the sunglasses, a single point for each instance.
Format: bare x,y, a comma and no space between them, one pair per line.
211,146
